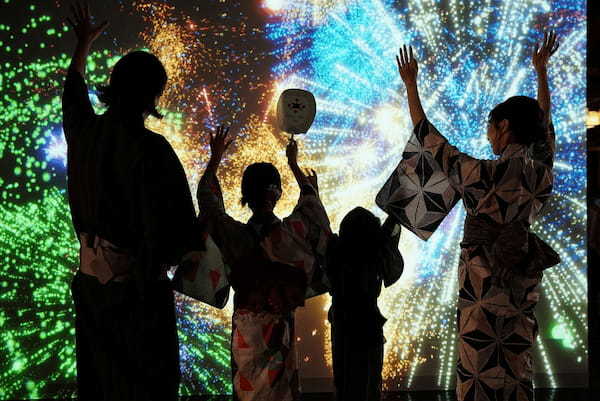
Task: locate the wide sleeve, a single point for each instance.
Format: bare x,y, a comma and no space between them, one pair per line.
303,240
170,227
76,106
207,277
429,180
230,235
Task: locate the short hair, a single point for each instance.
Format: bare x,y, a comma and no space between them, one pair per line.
256,179
525,118
135,82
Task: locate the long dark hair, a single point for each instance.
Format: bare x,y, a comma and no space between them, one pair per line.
525,118
135,82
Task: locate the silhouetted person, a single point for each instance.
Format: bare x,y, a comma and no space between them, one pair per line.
274,267
359,260
133,214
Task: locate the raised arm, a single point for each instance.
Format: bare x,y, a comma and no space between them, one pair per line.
306,182
218,145
76,106
544,150
209,195
540,58
86,35
393,264
408,69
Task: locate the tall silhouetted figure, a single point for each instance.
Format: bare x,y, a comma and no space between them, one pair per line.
133,214
359,260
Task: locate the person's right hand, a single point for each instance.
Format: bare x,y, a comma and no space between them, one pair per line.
407,66
219,143
83,28
291,151
311,176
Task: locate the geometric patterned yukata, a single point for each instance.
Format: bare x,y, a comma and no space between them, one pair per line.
263,346
498,276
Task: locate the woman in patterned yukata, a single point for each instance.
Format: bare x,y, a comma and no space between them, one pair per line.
501,260
274,265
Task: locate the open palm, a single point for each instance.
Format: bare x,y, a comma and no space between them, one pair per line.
82,24
543,52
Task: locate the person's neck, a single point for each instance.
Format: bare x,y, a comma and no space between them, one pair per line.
263,215
127,116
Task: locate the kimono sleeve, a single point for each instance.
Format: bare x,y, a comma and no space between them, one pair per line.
204,276
309,227
207,277
229,234
428,182
170,227
76,106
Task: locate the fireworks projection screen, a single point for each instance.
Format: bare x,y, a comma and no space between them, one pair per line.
228,61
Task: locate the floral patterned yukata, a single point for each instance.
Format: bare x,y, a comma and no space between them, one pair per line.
501,260
263,256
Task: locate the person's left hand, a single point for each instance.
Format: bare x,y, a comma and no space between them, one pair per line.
82,25
543,52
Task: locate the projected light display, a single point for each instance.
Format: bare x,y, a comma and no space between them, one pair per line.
228,62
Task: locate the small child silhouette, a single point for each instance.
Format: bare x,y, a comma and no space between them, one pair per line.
364,255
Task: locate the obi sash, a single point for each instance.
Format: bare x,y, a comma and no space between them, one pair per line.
104,260
512,248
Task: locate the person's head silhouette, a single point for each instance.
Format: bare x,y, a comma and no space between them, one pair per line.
136,82
360,230
261,187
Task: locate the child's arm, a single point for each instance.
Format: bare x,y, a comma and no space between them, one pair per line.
291,152
393,264
305,182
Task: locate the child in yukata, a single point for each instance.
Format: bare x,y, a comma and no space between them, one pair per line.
274,266
364,255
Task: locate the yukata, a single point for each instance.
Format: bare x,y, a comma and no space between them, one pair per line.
265,256
133,213
501,261
356,322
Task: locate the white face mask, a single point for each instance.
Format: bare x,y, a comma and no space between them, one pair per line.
296,111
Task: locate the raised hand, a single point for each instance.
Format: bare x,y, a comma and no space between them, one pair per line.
407,66
542,52
408,69
82,24
219,144
311,176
